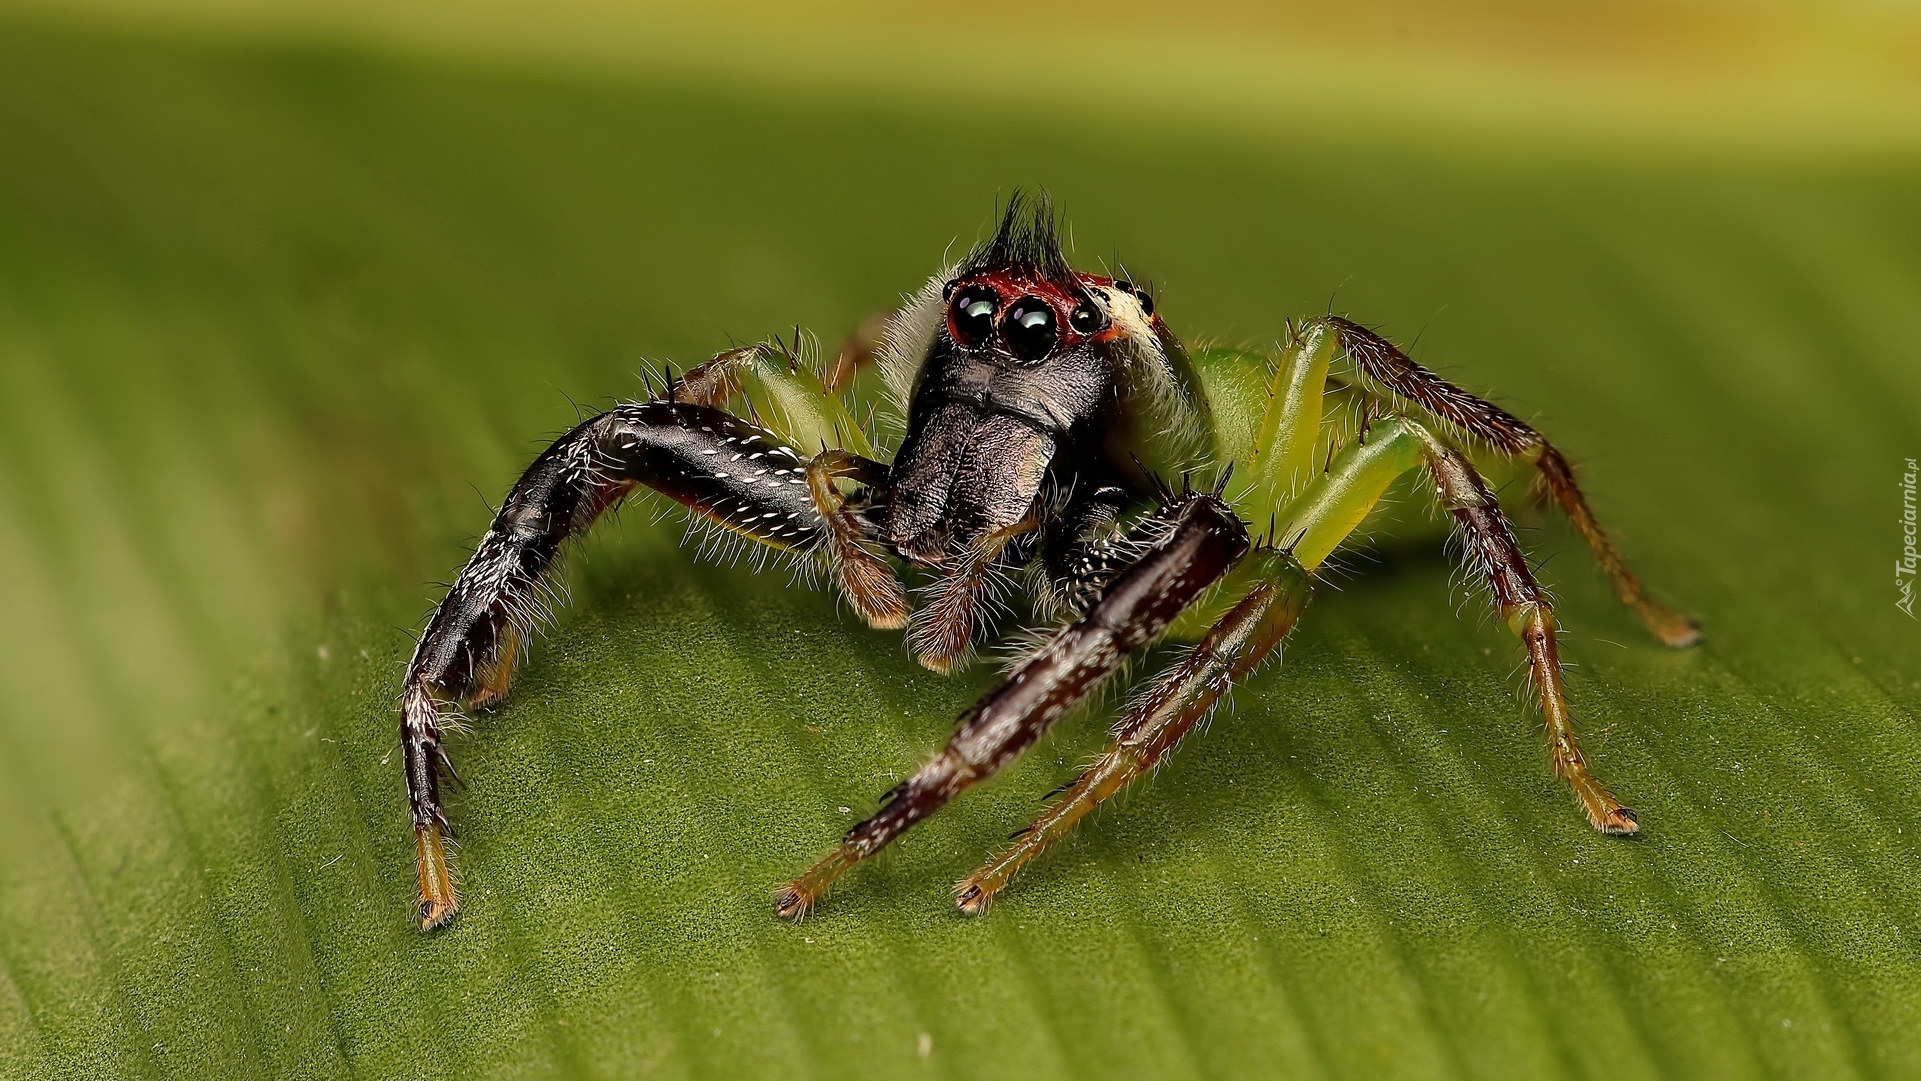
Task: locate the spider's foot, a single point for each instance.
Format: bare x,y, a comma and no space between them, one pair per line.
796,899
437,900
1675,631
1604,811
974,896
1619,822
791,904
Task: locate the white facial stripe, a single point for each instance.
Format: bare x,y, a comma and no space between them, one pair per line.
1126,313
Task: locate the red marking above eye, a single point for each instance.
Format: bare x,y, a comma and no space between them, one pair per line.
1010,286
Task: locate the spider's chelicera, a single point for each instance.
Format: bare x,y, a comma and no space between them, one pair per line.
1042,406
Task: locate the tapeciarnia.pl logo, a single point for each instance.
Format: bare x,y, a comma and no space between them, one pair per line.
1904,567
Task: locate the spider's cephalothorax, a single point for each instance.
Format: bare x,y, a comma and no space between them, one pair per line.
1041,406
1035,395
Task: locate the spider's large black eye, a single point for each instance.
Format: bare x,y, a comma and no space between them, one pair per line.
1086,318
973,314
1029,328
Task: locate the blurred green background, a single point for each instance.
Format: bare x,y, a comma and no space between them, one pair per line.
288,293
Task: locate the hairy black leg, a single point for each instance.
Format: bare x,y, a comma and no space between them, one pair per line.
1180,699
728,472
1180,554
1082,553
1388,369
1493,553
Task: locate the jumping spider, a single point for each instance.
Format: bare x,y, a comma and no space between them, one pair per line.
1041,405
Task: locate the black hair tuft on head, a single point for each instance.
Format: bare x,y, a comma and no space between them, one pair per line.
1028,239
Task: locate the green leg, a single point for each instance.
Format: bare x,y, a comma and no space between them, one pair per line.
1280,459
1324,516
782,392
1321,518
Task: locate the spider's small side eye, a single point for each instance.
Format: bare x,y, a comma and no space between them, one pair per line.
973,314
1086,318
1029,328
1139,294
947,291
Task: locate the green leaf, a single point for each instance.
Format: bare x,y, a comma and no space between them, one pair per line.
271,317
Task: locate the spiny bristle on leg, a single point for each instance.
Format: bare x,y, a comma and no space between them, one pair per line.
438,901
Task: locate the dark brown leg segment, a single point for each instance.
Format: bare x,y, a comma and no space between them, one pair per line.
1155,723
1391,371
1181,553
1493,553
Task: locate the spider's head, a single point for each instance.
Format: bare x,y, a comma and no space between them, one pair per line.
1014,358
1016,302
